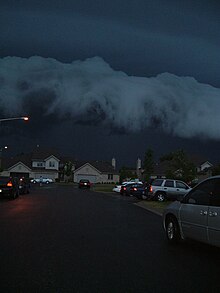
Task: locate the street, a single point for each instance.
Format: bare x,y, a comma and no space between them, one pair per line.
62,239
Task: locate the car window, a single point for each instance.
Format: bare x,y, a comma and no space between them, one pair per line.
180,184
169,183
200,195
157,182
215,197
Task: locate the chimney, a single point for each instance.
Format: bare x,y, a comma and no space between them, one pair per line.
138,164
138,171
113,163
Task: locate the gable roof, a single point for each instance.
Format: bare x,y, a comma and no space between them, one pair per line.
12,161
87,164
19,163
42,154
101,166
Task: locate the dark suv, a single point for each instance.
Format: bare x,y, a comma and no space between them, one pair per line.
167,189
9,186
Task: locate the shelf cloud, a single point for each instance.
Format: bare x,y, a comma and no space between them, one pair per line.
91,92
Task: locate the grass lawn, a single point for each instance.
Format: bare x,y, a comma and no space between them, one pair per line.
154,205
103,187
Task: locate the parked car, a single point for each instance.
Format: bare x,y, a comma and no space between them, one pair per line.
125,188
117,188
42,180
167,189
197,215
24,185
84,183
9,187
139,190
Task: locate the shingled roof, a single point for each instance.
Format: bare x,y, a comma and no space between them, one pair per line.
102,166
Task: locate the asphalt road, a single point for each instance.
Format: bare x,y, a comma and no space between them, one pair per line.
61,239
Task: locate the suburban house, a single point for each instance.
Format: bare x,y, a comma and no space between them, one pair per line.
49,164
32,165
203,169
96,171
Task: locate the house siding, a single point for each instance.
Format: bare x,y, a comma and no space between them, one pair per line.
95,176
87,172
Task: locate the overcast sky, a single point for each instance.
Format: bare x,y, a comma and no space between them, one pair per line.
122,76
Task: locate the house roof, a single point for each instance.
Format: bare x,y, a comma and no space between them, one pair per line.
42,154
26,159
102,166
11,161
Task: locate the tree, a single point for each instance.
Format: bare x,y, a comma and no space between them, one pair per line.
216,170
181,166
68,167
125,173
148,164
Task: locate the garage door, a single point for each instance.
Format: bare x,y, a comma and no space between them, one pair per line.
91,178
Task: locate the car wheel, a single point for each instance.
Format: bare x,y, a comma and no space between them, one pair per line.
160,196
172,230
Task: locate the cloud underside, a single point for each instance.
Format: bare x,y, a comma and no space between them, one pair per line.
91,92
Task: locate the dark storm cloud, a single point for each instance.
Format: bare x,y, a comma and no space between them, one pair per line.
91,92
139,37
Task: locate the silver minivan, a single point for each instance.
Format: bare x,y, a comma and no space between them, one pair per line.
197,215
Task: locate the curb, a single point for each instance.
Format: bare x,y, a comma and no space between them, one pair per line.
139,204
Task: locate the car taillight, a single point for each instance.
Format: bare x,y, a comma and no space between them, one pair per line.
151,189
9,184
135,188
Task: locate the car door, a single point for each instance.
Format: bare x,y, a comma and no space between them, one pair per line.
194,211
214,215
169,188
181,188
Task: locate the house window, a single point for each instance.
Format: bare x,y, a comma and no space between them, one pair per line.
51,164
110,176
39,164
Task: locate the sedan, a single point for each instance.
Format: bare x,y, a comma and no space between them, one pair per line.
138,190
197,215
84,183
117,188
125,189
42,180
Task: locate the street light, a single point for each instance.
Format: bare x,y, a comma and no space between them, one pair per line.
25,118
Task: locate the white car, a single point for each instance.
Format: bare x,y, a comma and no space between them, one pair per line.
117,188
197,215
42,180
